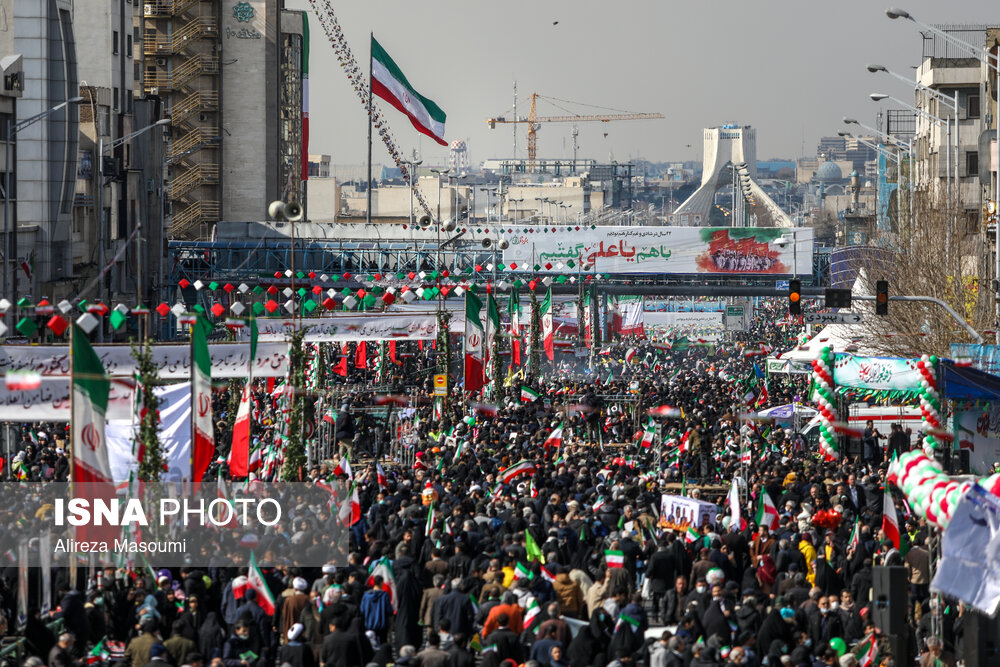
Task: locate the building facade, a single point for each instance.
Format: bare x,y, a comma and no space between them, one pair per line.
45,151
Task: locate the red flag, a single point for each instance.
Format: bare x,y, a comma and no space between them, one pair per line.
361,355
392,353
340,369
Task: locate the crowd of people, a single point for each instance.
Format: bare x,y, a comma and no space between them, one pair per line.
569,563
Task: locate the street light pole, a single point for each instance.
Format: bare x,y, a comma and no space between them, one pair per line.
411,165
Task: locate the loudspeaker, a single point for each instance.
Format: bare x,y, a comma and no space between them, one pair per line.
424,221
486,243
890,598
980,638
964,465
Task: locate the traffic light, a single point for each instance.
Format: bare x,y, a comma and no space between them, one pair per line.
882,297
838,298
794,297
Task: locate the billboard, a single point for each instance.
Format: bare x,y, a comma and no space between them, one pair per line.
671,250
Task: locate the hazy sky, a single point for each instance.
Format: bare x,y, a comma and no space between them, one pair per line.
790,68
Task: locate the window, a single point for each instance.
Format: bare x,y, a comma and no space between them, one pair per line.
972,163
128,46
114,100
114,41
972,106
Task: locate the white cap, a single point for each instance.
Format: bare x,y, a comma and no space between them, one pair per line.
295,631
300,584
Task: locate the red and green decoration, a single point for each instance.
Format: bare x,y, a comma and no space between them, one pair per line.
827,400
930,400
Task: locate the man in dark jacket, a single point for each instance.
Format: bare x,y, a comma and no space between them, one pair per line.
506,642
456,606
340,647
660,572
60,656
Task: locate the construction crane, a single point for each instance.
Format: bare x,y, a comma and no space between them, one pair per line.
534,121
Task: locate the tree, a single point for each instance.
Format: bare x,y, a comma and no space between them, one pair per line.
295,446
148,408
936,256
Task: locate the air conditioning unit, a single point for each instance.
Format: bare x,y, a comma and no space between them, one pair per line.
161,62
147,9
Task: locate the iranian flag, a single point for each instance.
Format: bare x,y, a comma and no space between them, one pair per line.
343,467
890,524
867,652
492,329
514,310
383,568
521,572
380,475
522,468
767,513
545,316
855,539
532,613
202,427
239,454
473,343
555,438
22,380
691,535
255,580
614,558
350,509
648,433
389,83
431,518
528,395
91,388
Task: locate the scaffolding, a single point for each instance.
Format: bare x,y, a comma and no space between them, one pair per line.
181,47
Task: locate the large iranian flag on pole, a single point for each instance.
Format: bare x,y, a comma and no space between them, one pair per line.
546,317
767,513
202,427
473,343
91,388
492,328
890,524
239,454
389,83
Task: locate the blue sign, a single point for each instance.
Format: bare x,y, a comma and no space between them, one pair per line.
780,284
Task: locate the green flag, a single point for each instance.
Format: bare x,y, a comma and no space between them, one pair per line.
531,546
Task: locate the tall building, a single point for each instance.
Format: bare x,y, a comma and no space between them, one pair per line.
115,132
231,77
45,165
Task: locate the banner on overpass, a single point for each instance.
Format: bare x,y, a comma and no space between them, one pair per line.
229,360
349,328
670,250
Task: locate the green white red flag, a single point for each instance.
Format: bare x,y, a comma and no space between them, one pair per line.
614,558
528,395
350,510
555,438
239,453
855,539
91,388
514,310
522,468
255,580
767,513
202,426
867,652
545,316
389,83
474,365
648,433
890,524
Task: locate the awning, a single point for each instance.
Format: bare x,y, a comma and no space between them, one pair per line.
967,383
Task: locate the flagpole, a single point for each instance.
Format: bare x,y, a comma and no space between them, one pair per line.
368,212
